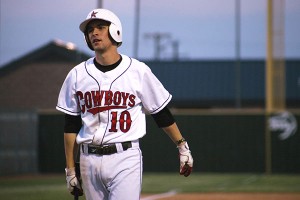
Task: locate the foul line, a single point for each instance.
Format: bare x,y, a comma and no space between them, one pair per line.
162,195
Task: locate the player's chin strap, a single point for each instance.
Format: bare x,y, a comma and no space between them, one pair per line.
185,157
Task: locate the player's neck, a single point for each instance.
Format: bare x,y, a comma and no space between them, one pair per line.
107,58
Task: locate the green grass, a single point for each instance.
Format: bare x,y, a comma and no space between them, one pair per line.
34,188
52,187
155,183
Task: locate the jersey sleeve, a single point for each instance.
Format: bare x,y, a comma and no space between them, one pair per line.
154,95
67,99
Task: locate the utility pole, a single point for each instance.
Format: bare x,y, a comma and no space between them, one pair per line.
238,53
157,37
100,4
136,29
175,47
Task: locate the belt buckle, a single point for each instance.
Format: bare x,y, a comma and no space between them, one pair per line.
106,149
93,149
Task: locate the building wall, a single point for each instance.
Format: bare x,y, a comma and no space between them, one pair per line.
33,86
211,84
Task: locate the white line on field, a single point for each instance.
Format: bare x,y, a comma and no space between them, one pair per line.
162,195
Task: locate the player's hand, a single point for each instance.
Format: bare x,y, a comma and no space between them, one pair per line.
186,160
73,184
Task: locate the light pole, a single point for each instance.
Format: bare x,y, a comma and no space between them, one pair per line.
237,53
136,29
100,4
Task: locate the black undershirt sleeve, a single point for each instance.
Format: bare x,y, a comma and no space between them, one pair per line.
73,124
163,118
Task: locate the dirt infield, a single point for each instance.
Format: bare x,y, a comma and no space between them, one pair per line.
227,196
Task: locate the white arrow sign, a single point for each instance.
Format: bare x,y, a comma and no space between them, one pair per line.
285,122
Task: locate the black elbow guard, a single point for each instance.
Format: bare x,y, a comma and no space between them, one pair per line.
73,124
163,118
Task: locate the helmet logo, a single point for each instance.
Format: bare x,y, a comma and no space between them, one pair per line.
93,14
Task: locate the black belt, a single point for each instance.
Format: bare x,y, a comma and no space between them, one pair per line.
106,149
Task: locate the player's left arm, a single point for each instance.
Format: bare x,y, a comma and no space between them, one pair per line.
165,120
173,132
185,156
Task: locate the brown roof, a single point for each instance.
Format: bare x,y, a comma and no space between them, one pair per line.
34,80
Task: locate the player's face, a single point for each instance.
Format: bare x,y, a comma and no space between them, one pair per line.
97,31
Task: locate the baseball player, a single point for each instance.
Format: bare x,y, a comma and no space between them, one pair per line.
105,100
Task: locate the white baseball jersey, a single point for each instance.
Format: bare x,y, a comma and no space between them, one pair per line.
112,105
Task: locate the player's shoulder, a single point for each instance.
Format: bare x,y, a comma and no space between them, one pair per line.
135,64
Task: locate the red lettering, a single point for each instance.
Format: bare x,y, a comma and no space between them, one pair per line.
108,97
124,97
88,100
79,98
101,99
131,100
96,98
117,98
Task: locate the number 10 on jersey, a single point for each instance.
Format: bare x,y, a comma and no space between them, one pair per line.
123,123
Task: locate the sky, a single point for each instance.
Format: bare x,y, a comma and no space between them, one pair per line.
204,29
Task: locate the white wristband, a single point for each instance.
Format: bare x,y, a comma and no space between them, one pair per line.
70,171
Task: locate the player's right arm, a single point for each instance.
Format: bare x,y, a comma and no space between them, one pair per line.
70,149
68,104
72,126
70,152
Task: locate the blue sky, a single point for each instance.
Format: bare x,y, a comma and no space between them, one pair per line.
205,29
